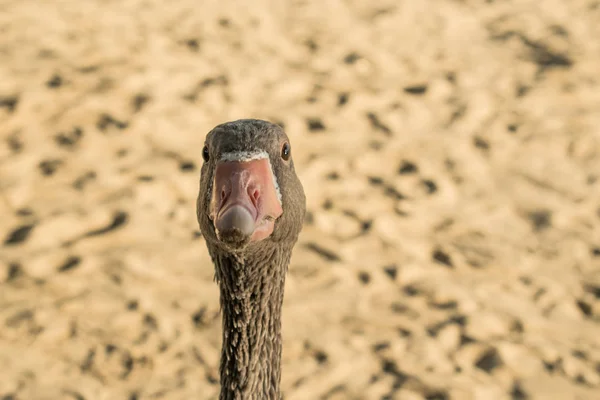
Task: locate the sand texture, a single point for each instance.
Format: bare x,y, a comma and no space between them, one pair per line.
450,152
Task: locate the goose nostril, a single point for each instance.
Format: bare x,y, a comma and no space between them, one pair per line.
223,194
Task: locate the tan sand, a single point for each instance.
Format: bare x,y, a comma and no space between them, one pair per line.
450,151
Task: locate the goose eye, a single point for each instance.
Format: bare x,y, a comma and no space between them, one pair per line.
286,151
205,154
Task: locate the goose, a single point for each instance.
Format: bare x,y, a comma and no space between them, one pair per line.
250,208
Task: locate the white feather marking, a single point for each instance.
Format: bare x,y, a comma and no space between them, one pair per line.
244,155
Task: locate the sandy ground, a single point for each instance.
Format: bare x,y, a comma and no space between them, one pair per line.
450,154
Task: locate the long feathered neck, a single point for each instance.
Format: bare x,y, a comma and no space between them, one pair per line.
252,289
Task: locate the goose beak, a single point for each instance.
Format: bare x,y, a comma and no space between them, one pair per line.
245,201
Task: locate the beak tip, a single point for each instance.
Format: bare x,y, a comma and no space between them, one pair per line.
235,221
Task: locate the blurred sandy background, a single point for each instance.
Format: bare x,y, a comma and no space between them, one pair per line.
450,154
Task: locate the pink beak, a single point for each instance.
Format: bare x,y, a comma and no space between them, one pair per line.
245,201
